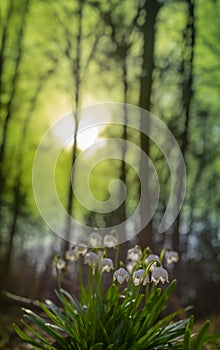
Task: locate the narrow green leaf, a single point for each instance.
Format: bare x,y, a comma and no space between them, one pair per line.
47,329
188,333
154,307
162,336
212,337
55,315
200,339
111,347
123,347
159,305
103,330
36,333
31,341
97,346
72,300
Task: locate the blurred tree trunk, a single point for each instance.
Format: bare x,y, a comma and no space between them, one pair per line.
16,208
9,108
187,95
76,71
151,8
7,116
5,28
123,169
121,37
71,48
19,194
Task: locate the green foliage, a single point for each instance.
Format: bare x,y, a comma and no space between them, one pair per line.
121,317
37,87
44,88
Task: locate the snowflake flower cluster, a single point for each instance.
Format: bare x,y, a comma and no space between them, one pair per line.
142,266
95,240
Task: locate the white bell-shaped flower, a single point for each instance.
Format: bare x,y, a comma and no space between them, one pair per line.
95,240
71,255
134,254
138,277
80,250
172,256
159,274
110,241
60,264
121,275
106,264
91,259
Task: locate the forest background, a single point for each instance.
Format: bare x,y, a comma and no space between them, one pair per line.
163,56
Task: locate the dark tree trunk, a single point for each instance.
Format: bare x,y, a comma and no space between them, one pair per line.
5,28
18,196
151,7
187,95
76,69
14,85
123,169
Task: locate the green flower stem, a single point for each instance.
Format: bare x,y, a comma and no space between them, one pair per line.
137,291
80,277
163,251
89,287
80,270
152,289
58,279
95,287
147,291
116,256
115,303
57,273
100,284
149,266
136,295
112,295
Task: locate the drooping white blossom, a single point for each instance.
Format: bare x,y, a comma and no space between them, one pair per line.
159,274
81,250
139,277
71,255
60,264
106,264
134,254
92,259
74,253
110,241
121,275
172,256
95,240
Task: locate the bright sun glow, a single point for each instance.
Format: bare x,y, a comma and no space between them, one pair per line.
87,138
